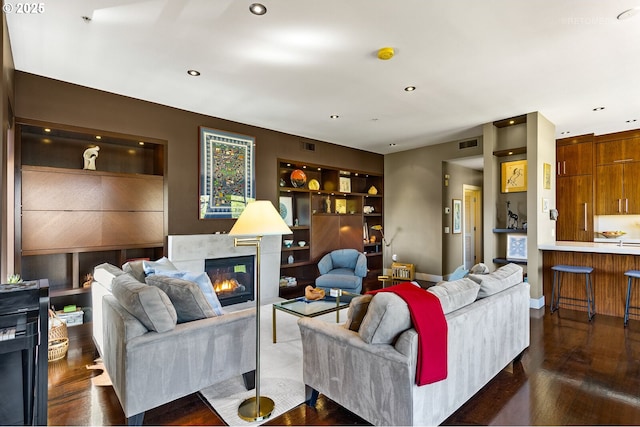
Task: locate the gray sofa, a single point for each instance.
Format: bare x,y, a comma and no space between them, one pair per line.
150,355
368,365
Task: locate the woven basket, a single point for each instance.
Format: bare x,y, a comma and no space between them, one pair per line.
58,338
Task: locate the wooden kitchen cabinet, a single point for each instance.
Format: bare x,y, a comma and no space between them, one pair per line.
574,158
618,189
618,151
575,208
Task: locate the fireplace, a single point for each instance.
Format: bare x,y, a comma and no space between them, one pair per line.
232,278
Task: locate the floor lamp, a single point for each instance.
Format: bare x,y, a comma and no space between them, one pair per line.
258,219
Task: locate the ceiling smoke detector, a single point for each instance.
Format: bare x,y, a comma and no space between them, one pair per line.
386,53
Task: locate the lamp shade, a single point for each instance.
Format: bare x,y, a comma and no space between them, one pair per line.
259,218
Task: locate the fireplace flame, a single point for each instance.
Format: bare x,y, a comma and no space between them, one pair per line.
226,286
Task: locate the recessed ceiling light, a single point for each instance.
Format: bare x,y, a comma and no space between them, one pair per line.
334,116
510,153
47,130
86,19
564,132
258,9
98,137
194,73
393,144
598,109
631,121
140,143
629,13
511,122
409,88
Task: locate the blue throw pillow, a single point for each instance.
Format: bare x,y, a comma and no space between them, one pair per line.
203,282
459,273
161,265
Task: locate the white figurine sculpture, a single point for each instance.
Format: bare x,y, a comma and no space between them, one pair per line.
90,155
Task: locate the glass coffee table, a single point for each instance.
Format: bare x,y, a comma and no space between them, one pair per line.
303,307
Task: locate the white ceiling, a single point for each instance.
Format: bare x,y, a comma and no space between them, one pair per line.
472,62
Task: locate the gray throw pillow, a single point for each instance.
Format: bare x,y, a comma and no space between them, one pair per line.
105,273
456,294
186,296
501,279
135,269
149,304
388,316
356,312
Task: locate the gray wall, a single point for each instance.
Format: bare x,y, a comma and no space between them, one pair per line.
414,194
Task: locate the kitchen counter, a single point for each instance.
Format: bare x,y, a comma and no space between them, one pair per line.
609,261
614,246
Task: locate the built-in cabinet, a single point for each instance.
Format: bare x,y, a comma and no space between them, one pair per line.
574,188
337,212
70,219
618,177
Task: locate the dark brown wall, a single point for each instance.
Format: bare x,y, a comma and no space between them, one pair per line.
40,98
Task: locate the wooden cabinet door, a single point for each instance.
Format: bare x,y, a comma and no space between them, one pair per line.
575,207
609,189
631,187
621,150
575,159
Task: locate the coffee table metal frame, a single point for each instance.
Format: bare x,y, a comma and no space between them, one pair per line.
301,307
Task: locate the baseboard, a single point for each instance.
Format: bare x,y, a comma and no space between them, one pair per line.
536,303
428,277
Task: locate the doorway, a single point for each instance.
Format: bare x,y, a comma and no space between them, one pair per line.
472,226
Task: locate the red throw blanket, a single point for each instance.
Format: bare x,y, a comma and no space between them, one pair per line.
431,326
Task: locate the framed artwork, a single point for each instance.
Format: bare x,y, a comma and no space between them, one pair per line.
227,173
344,184
517,247
457,217
341,206
286,209
546,176
514,176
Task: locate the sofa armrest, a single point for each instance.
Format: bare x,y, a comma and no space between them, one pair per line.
340,365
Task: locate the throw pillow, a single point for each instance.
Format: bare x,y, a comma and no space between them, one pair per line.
479,268
186,296
357,309
136,269
105,273
150,305
456,294
388,316
501,279
163,264
204,283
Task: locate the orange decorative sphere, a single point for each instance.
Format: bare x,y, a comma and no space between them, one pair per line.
298,178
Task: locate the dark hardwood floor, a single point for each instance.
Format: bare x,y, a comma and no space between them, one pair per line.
574,372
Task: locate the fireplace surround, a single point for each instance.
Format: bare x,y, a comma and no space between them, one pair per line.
190,252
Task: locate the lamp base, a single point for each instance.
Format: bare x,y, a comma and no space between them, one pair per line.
247,409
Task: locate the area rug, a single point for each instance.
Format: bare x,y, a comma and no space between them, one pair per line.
281,371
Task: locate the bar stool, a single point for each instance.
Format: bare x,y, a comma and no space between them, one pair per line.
558,271
631,274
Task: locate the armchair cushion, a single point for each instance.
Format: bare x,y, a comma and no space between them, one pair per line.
150,305
186,297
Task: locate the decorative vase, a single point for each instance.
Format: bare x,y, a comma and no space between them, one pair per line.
290,259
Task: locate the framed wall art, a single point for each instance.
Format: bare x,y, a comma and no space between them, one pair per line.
546,176
227,173
514,176
457,216
517,247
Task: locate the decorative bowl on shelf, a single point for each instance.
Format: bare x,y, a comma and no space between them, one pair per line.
288,242
612,234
